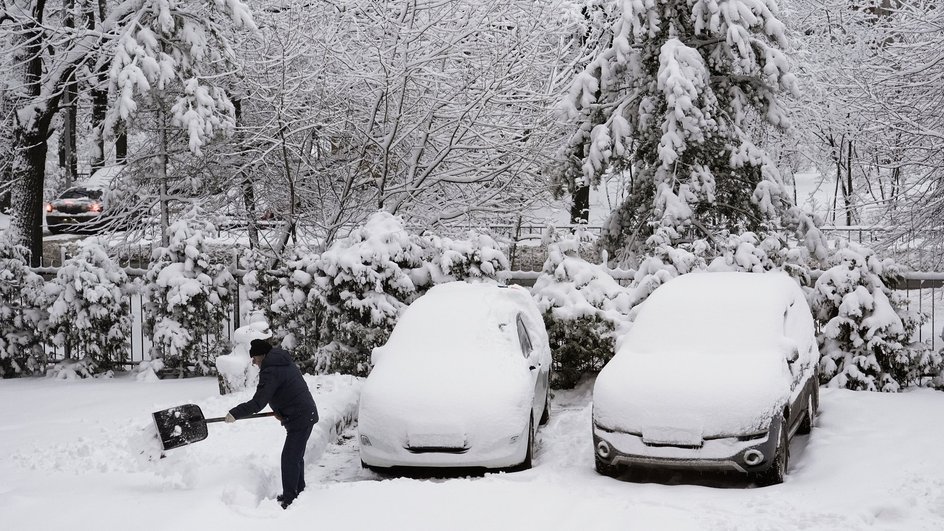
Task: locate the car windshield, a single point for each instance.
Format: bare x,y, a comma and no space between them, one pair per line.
712,313
81,193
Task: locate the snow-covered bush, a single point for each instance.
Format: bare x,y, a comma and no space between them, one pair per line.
475,258
866,328
584,310
261,283
89,313
296,315
363,282
188,298
22,314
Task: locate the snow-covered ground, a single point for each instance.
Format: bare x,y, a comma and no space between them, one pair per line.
69,460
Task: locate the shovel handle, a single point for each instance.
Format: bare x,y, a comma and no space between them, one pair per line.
256,416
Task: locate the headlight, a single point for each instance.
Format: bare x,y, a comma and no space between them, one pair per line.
365,441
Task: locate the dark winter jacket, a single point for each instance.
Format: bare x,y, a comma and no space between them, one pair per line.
282,387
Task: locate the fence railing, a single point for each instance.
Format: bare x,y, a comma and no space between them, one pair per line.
924,292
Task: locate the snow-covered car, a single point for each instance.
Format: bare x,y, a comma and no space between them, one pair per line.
718,372
461,382
82,209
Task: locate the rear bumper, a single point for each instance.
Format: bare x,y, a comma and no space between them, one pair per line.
619,449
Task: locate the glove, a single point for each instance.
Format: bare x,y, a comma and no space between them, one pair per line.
230,418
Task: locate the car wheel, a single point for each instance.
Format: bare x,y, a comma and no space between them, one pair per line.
605,468
778,469
546,415
806,425
528,456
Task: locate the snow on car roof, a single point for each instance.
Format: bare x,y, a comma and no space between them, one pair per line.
709,311
462,316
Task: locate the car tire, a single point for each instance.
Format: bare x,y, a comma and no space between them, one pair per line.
778,469
806,425
529,455
605,468
546,414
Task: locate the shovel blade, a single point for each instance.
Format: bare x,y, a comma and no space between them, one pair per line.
180,426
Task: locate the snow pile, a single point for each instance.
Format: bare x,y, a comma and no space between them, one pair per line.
89,313
867,331
584,310
22,312
236,370
188,298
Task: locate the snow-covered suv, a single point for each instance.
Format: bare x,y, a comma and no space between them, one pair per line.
718,372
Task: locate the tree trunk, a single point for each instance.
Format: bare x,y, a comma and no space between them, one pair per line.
580,207
99,108
68,161
29,162
121,143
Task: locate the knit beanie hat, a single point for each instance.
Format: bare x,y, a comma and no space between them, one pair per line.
259,347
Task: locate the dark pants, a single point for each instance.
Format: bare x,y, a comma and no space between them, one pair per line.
293,459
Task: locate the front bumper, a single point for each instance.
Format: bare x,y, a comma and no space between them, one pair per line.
621,449
384,452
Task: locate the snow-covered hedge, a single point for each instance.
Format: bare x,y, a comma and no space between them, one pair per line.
866,327
22,313
188,298
364,282
584,310
88,311
297,316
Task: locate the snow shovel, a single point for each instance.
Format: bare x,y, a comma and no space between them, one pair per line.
183,425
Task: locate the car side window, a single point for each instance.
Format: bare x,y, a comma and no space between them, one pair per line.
523,338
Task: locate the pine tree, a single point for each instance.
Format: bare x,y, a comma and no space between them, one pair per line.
22,314
188,298
671,99
364,282
584,309
89,313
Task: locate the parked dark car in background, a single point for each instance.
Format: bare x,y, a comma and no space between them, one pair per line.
82,209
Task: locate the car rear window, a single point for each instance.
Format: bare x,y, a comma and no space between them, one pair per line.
80,193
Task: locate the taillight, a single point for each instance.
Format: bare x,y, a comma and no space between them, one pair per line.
48,207
96,207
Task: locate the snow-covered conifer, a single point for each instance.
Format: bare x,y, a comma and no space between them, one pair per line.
22,314
364,282
866,340
297,318
584,309
89,314
475,258
670,97
188,297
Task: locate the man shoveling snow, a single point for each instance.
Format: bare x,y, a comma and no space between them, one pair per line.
282,387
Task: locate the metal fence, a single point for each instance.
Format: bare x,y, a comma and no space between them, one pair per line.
923,292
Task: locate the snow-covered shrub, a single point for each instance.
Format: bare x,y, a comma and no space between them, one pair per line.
667,260
475,258
296,315
866,328
22,314
89,314
747,252
363,282
584,310
261,283
188,298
